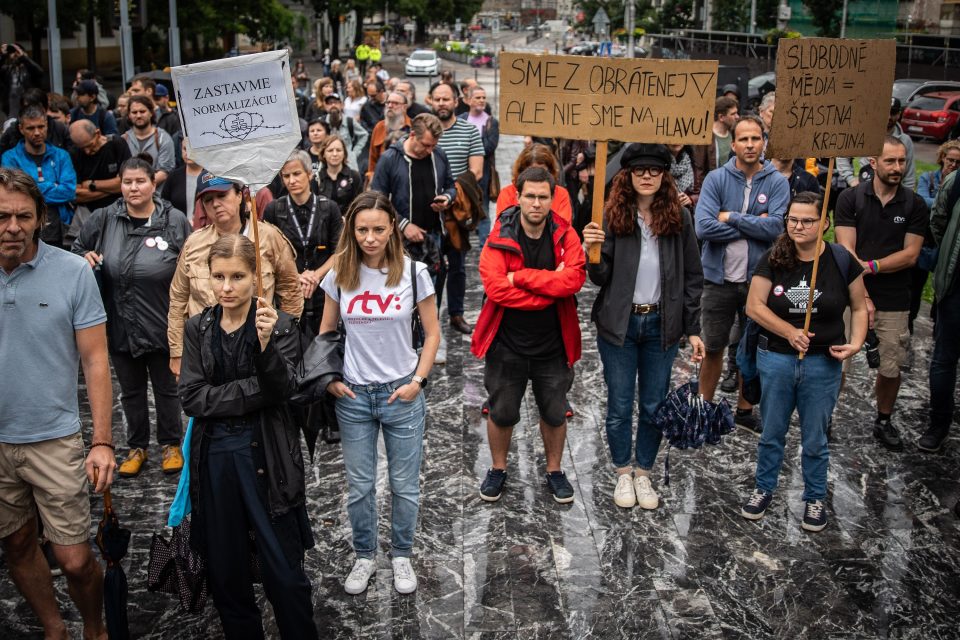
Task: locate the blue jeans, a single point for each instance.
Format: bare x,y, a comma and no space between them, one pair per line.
639,363
943,361
483,227
810,386
361,420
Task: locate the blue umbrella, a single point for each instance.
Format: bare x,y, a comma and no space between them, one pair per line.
687,421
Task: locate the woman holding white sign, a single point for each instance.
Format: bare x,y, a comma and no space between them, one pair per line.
223,203
650,280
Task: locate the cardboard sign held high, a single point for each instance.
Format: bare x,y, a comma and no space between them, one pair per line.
639,100
833,97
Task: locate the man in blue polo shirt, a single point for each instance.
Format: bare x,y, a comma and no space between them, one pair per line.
51,321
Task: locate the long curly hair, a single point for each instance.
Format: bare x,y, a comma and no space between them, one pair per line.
620,209
783,254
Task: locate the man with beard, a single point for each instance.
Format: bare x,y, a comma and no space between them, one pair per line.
50,167
89,109
414,108
882,223
464,149
845,165
352,132
395,125
145,137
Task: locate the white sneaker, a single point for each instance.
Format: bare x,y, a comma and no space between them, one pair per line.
624,495
441,351
647,498
404,579
359,576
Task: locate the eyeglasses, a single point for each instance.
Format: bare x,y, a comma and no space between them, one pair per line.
951,161
806,223
653,172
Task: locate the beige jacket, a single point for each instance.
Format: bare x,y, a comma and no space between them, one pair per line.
191,292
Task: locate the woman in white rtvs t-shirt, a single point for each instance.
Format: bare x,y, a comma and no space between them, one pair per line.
370,288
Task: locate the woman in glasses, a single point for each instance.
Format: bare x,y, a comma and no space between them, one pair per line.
777,301
650,281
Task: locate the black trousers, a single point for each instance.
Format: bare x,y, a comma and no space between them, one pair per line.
232,505
132,374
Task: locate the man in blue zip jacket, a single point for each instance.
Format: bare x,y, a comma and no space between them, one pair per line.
50,167
739,215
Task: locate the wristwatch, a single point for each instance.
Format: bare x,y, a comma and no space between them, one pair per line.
420,380
93,186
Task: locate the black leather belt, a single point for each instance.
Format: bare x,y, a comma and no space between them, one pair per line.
643,309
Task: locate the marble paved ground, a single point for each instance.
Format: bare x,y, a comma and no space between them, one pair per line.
888,565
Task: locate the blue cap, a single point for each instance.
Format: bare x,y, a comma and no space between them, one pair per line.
161,90
206,181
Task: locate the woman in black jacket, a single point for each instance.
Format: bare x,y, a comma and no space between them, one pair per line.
650,281
246,468
134,243
337,181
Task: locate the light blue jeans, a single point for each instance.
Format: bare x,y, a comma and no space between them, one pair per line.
810,386
361,420
642,367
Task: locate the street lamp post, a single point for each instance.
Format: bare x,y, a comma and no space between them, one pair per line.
53,44
174,35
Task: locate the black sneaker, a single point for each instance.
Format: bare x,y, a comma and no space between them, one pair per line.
956,509
748,420
560,487
492,486
887,435
729,382
814,516
932,441
756,506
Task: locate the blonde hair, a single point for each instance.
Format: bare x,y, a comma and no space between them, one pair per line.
347,259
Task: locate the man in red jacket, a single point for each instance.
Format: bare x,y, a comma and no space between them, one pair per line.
531,268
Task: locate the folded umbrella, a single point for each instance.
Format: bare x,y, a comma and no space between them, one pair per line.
113,541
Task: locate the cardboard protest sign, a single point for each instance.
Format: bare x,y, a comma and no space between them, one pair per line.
632,100
833,97
239,115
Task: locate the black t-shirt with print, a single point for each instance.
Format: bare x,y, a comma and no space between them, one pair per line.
789,293
880,232
534,334
423,189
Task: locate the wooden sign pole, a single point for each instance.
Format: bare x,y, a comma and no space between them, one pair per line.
252,204
816,254
599,183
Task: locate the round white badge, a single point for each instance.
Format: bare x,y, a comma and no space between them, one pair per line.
163,245
778,290
150,242
343,183
762,198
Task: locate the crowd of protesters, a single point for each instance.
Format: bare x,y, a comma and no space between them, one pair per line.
123,250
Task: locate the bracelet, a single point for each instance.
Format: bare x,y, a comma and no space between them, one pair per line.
876,264
103,444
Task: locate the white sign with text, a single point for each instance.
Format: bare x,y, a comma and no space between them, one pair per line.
239,115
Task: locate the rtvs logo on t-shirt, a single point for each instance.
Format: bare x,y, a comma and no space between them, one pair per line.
366,297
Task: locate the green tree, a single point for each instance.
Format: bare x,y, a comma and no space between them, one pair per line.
825,16
676,14
32,18
730,15
767,14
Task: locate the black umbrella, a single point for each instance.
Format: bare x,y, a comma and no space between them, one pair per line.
113,541
687,421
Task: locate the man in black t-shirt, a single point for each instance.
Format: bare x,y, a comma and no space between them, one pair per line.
531,267
96,159
883,224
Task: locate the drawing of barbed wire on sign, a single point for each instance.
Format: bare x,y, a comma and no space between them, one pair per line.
238,126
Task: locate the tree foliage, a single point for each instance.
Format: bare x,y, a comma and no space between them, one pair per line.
730,15
676,14
825,16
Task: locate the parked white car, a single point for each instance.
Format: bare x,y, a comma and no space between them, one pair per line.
423,62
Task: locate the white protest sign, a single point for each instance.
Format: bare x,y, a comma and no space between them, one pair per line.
239,115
